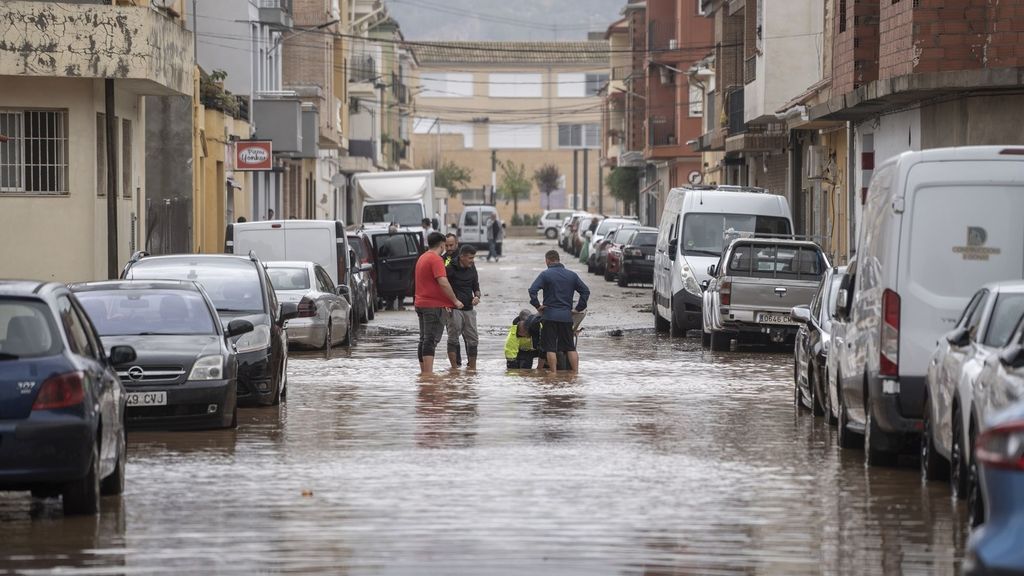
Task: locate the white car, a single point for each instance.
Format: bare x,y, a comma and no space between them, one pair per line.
985,326
935,226
324,317
550,223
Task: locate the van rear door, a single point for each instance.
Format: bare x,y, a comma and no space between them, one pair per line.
396,263
961,229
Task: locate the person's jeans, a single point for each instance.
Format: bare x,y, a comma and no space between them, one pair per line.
492,250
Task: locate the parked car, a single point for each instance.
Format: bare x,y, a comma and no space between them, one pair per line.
811,347
933,230
633,258
473,224
395,256
551,221
186,372
362,246
994,548
597,261
950,423
580,236
691,238
324,313
61,402
609,247
324,242
569,231
603,229
240,290
752,292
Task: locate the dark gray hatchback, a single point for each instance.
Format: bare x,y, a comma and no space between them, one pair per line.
186,369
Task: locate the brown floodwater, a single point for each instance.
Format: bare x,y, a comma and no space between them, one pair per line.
659,458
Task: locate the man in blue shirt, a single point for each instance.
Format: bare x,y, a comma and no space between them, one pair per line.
558,284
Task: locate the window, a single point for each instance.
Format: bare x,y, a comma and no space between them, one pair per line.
26,330
471,219
324,282
975,319
696,100
34,157
289,278
133,312
126,158
233,285
446,85
432,125
515,86
504,136
842,15
1005,315
580,85
579,135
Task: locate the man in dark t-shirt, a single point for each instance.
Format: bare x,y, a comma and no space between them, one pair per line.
465,283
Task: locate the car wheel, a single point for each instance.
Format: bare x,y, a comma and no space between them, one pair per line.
621,279
845,438
874,456
608,276
113,485
550,233
705,339
933,466
975,500
364,313
798,403
675,328
282,384
957,460
812,386
719,342
234,418
830,413
347,342
329,337
82,497
370,312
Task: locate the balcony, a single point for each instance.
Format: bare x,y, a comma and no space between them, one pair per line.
362,69
97,41
661,35
279,119
734,112
759,138
661,130
750,70
276,13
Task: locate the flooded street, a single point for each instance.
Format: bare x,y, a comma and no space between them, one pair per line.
659,458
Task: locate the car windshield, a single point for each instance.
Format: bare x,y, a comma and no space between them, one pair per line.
704,234
409,214
645,239
1005,315
288,278
609,225
27,330
147,312
233,284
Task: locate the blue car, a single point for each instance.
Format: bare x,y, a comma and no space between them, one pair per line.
995,547
61,402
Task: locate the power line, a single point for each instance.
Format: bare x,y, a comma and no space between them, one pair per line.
488,17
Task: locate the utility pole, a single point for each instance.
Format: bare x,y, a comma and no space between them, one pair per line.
575,179
494,177
586,179
111,130
600,188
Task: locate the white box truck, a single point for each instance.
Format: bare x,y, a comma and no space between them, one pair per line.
405,197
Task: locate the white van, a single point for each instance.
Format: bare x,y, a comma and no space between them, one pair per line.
550,223
321,241
691,238
473,224
937,225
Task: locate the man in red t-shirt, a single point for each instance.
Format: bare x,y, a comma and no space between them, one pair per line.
434,298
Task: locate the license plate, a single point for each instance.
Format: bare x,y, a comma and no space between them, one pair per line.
773,318
651,257
147,399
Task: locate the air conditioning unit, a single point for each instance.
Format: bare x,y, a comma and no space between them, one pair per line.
814,162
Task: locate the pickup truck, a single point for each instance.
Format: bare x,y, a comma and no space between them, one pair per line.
755,285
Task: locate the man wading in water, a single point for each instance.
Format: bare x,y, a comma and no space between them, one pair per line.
434,299
462,323
558,284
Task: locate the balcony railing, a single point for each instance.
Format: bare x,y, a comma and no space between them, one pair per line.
661,130
276,13
362,69
661,35
734,110
750,70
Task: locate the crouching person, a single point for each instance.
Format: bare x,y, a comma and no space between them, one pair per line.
523,342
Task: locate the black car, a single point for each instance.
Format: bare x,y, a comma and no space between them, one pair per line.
241,290
61,402
395,256
637,257
185,375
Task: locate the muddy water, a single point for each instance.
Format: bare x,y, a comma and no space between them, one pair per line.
659,458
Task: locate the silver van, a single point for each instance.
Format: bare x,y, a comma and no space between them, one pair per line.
692,237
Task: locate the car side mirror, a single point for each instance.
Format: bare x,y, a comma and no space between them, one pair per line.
1013,356
238,327
289,310
801,314
712,270
345,292
122,355
960,337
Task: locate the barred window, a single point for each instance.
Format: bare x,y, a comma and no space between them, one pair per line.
33,151
579,135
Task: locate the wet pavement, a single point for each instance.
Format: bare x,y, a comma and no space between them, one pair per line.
658,458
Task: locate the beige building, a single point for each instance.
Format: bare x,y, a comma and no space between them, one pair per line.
54,174
529,102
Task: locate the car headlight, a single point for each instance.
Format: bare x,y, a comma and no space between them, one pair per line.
690,281
258,339
207,368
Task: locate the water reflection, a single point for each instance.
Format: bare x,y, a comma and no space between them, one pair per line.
446,412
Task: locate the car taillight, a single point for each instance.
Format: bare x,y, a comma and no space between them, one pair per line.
307,308
889,347
634,253
63,391
725,292
1002,446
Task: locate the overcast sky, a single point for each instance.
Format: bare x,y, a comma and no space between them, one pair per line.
503,19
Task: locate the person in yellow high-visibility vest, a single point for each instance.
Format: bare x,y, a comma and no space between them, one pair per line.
523,342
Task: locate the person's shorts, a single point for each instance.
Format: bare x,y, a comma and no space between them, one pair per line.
432,321
557,337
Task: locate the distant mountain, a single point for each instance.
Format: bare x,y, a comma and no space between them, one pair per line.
503,19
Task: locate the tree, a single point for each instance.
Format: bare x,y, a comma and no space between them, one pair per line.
624,183
546,177
453,177
515,185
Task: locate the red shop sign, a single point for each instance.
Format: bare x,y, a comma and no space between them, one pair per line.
254,155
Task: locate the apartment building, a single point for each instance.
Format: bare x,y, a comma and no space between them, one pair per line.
531,103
